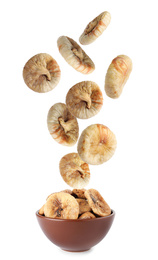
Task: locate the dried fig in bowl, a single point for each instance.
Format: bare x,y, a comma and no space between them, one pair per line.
96,144
87,215
74,55
95,28
74,171
97,203
117,75
61,205
83,206
84,100
41,73
41,210
62,125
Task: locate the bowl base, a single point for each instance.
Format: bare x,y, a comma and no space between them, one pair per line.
75,251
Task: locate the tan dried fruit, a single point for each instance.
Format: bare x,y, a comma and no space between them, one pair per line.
61,205
83,206
41,73
62,125
41,210
79,193
95,28
97,203
74,55
84,100
117,75
96,144
74,171
87,215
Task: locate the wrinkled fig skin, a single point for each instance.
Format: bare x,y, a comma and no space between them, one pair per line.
97,144
84,100
117,75
62,125
61,205
74,55
74,171
41,73
95,28
97,203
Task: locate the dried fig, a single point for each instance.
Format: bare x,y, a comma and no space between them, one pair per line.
79,193
74,171
95,28
41,73
74,55
87,215
41,210
97,203
96,144
84,99
117,75
83,206
62,125
61,205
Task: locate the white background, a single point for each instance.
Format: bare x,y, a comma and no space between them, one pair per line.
29,155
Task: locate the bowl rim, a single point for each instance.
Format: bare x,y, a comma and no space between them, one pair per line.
75,220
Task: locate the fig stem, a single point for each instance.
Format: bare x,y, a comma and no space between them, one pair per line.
88,104
78,53
45,73
48,76
86,98
91,26
66,125
81,174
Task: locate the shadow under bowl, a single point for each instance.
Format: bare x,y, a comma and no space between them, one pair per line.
75,235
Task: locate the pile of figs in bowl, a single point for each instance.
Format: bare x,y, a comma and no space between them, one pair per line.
75,220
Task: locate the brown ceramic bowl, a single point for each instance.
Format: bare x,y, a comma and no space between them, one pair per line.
75,234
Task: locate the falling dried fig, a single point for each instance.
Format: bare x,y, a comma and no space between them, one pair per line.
97,203
61,205
41,73
96,144
83,206
95,28
62,125
84,100
117,75
74,55
87,215
79,193
74,171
